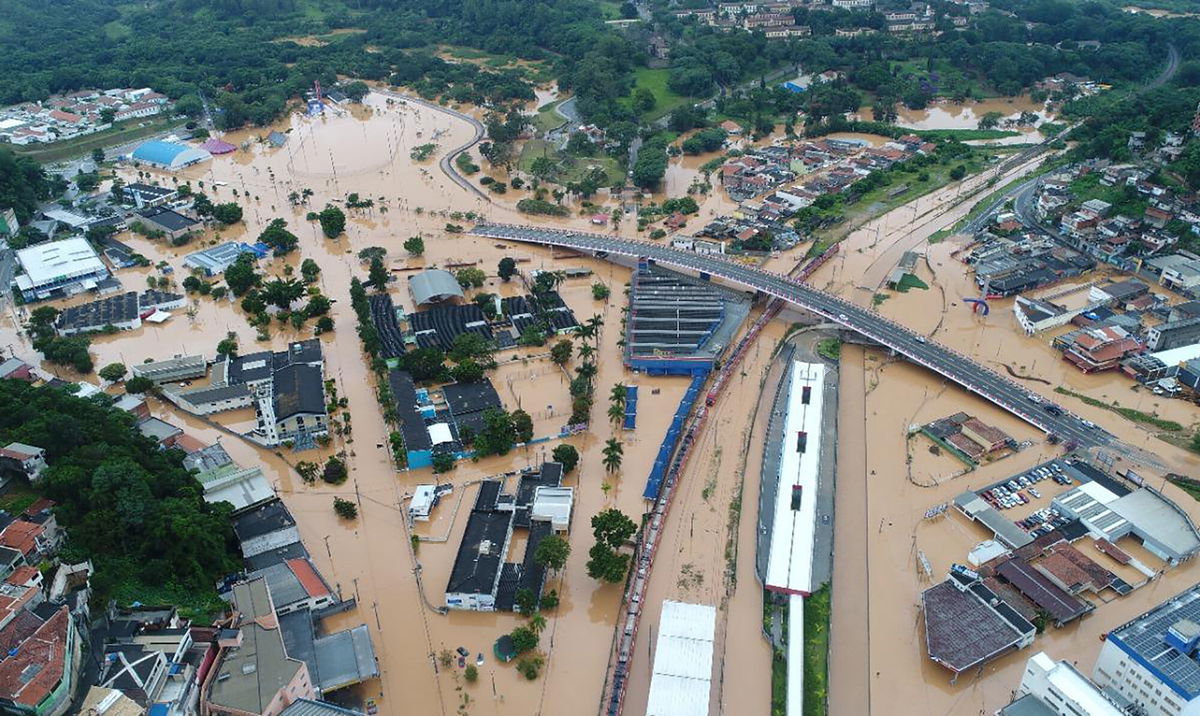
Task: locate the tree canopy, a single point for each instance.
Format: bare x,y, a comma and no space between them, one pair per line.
127,505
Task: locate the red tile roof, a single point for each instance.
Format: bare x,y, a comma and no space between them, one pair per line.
45,648
62,116
22,536
309,579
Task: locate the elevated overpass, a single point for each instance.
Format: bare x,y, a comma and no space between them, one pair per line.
951,364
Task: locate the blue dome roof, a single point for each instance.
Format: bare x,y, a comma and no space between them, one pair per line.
168,154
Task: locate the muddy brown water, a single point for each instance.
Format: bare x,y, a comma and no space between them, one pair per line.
366,150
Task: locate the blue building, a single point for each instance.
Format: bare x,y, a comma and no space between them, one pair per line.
169,155
1152,660
794,87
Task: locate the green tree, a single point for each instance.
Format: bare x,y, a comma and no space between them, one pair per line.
606,564
470,277
468,371
113,372
600,291
424,364
228,213
241,275
643,100
228,346
317,305
468,346
345,509
958,172
552,552
334,471
281,292
497,435
98,155
443,462
613,452
522,425
378,275
279,238
612,528
310,271
471,673
525,601
566,455
139,384
523,639
414,245
560,352
506,269
333,221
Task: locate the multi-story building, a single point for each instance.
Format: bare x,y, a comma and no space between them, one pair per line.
1056,687
1152,660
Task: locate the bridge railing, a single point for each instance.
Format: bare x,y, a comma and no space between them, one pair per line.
876,327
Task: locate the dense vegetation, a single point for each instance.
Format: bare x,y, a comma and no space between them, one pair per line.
128,506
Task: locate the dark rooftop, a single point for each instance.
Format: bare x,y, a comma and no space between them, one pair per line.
412,425
97,314
295,550
481,553
1061,606
961,631
298,389
264,519
169,219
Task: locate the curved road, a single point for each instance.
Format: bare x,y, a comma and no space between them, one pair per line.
446,163
953,365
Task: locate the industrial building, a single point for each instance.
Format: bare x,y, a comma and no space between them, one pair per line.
172,369
481,580
679,325
59,268
1152,660
215,260
171,156
1055,688
683,656
124,312
1160,525
968,625
433,286
171,223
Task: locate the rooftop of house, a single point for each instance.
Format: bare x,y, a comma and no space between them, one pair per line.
28,676
262,520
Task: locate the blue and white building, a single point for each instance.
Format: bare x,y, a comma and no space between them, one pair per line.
171,156
1152,660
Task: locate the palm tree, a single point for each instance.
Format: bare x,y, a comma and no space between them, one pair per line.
616,396
584,332
593,325
281,292
613,451
587,371
537,623
586,352
616,414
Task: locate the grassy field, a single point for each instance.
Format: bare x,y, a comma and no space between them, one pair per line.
610,9
664,99
816,652
547,119
1136,416
569,168
82,146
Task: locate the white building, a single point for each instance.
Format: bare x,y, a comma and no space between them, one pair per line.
1059,689
682,676
62,267
1152,660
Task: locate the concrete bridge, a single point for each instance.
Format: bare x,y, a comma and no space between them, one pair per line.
976,378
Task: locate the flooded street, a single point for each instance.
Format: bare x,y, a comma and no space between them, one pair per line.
706,553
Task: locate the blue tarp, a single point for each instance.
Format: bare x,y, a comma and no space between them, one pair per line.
663,461
630,407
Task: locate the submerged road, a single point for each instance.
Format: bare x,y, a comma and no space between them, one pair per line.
446,163
965,371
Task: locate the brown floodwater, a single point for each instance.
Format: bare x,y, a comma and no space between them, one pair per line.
366,150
